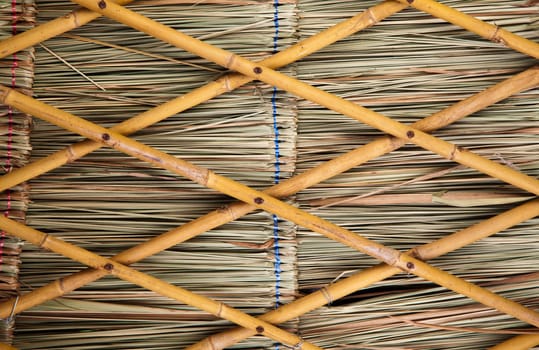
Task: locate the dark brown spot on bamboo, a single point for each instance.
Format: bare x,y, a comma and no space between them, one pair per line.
409,1
102,4
108,266
410,134
105,137
410,265
257,70
259,200
259,329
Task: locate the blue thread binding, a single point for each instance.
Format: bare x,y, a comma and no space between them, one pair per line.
277,164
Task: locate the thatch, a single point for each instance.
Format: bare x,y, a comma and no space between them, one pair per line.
15,71
109,202
409,67
406,67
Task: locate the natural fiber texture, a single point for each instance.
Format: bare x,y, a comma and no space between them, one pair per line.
108,202
15,71
431,65
227,262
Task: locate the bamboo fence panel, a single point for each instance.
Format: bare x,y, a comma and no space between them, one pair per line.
418,134
149,203
15,71
411,82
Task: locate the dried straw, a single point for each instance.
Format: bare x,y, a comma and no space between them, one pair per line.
431,65
15,71
358,70
106,196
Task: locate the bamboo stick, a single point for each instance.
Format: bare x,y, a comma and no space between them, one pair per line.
375,274
235,62
7,347
520,342
474,25
227,83
51,29
263,201
213,307
520,82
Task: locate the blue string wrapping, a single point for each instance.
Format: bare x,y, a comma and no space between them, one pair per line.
277,171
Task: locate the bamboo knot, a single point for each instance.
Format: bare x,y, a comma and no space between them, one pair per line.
371,16
327,295
4,95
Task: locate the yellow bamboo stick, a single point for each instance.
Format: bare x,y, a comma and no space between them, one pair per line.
520,342
7,347
375,274
474,25
335,103
202,94
51,29
520,82
263,201
213,307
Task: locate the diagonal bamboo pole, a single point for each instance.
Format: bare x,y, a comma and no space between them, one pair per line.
520,342
7,347
375,274
474,25
263,201
520,82
213,307
82,16
335,103
50,29
227,83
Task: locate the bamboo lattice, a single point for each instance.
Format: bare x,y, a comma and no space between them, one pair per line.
393,261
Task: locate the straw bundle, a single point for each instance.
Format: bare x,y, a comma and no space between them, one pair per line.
15,71
410,196
120,72
108,202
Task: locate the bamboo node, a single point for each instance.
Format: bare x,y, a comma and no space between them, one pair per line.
495,38
327,295
230,60
70,153
299,345
371,16
10,320
454,152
